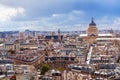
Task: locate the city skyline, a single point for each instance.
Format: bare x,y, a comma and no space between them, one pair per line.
51,15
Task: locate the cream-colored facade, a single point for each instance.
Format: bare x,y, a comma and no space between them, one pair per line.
17,46
92,33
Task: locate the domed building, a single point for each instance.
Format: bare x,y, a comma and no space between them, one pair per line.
92,29
92,33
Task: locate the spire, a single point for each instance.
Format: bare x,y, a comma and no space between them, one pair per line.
58,30
92,20
111,31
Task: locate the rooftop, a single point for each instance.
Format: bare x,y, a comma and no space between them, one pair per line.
107,34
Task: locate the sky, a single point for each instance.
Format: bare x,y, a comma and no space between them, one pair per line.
51,15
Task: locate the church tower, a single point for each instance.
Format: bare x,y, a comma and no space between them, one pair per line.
59,35
92,32
92,29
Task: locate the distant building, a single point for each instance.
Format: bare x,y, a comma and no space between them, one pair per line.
18,46
2,35
21,35
93,34
54,38
92,29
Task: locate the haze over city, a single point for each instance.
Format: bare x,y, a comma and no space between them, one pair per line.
49,15
59,40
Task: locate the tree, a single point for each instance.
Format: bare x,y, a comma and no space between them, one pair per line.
44,69
59,69
3,79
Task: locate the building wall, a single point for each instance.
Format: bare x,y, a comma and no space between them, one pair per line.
8,47
17,46
92,30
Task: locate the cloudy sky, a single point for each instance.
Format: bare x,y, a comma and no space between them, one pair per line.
49,15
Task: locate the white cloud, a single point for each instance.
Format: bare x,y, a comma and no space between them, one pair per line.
7,13
72,17
55,15
106,22
27,27
67,21
78,12
117,21
74,20
116,24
